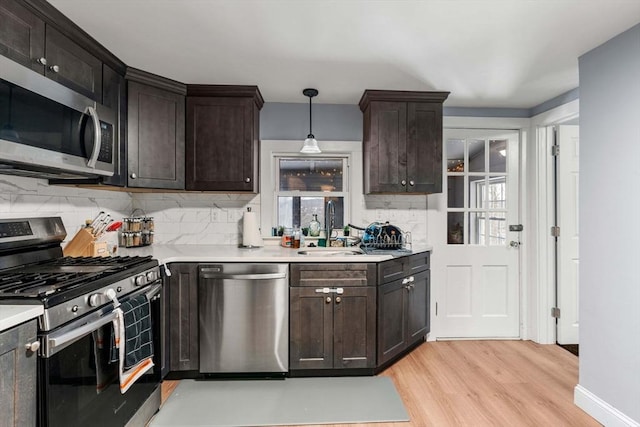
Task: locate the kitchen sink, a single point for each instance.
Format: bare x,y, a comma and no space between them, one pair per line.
331,251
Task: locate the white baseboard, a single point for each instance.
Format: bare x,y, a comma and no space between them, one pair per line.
600,410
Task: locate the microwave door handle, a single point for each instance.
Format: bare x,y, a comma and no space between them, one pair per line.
97,135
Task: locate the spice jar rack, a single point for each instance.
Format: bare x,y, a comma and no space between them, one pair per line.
136,231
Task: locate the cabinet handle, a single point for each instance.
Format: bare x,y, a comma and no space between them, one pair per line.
54,68
133,175
411,279
328,300
33,347
42,60
338,299
411,183
403,182
405,281
247,179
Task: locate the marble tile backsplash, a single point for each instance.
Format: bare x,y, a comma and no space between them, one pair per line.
28,197
185,218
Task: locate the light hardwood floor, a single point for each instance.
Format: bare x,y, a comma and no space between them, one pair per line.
483,383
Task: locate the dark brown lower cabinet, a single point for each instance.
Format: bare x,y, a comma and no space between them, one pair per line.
18,376
182,320
332,331
403,314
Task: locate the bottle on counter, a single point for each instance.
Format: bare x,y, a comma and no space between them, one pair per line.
322,239
296,238
314,226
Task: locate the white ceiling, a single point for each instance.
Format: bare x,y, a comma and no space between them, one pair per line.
487,53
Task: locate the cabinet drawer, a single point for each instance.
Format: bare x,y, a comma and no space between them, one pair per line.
391,270
333,275
419,262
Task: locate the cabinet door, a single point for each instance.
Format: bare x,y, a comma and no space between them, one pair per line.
222,146
424,147
21,35
392,320
18,376
114,91
385,150
418,307
155,137
354,328
311,329
183,317
72,66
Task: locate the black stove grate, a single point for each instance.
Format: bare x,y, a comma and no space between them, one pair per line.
67,274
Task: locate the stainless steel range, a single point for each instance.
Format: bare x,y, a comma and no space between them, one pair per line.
78,297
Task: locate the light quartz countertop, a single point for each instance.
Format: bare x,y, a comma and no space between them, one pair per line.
12,314
166,254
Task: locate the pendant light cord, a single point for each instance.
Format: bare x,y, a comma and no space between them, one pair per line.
310,123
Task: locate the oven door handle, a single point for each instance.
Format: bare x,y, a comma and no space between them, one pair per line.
58,341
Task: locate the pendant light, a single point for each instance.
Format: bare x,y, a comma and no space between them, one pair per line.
310,145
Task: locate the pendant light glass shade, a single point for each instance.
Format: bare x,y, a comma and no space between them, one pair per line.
310,145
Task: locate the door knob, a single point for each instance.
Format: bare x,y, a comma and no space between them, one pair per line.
411,183
247,179
42,61
55,68
133,175
514,244
403,182
338,300
328,300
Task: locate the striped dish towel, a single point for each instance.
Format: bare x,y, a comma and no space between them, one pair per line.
133,340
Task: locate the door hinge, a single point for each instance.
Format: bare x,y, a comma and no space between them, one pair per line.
555,231
555,150
555,312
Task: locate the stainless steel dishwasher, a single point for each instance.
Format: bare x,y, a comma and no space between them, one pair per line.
244,318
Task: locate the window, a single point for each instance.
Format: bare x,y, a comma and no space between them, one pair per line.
305,185
477,182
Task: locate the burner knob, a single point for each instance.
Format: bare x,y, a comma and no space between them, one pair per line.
151,276
140,280
94,300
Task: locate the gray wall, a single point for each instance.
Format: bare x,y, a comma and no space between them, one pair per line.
609,233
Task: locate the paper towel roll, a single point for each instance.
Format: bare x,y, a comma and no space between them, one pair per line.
250,231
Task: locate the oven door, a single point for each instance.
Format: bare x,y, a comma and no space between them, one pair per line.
77,386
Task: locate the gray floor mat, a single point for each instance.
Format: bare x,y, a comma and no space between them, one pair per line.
281,402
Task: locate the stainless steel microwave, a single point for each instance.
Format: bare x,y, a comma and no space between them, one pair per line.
48,130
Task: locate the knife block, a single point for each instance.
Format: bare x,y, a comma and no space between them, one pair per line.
84,244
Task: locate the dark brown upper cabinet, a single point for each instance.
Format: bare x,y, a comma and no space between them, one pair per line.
21,35
155,137
38,36
72,66
223,138
402,141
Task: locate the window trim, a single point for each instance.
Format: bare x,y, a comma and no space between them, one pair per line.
346,181
270,148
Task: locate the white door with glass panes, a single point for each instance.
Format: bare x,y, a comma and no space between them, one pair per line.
478,257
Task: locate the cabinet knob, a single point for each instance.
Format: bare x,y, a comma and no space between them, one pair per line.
42,61
247,179
33,347
403,182
411,183
328,300
338,300
133,175
54,68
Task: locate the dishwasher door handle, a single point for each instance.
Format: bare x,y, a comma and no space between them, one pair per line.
255,276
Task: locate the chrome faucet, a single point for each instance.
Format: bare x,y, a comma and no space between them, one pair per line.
330,219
